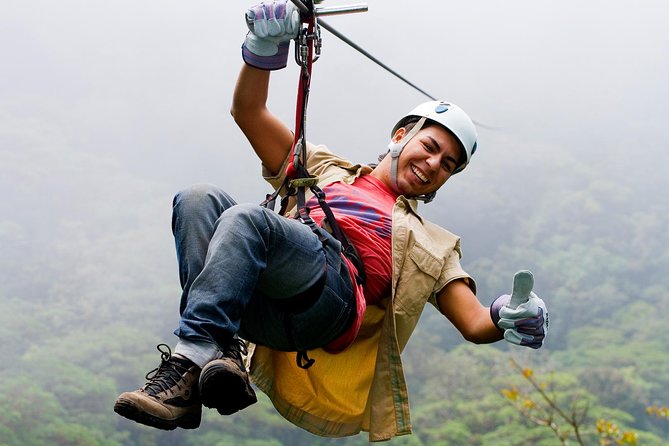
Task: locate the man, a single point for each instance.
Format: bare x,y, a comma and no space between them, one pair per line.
286,287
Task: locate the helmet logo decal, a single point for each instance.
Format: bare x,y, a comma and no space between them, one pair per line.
442,107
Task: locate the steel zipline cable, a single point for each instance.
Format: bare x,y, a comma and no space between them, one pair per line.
304,9
366,53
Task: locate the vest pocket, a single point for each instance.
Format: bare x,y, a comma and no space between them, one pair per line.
417,279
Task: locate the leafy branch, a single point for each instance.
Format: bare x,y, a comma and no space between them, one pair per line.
541,406
661,412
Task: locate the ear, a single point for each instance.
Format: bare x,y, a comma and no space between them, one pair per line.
399,134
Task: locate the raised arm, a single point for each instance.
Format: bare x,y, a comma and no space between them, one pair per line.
271,28
270,138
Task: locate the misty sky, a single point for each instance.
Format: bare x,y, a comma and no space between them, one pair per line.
138,92
107,108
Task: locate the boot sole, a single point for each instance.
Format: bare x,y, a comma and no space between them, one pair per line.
130,411
224,390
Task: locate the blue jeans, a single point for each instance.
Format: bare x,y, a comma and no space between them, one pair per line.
246,270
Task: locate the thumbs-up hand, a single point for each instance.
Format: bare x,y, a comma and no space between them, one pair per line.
522,315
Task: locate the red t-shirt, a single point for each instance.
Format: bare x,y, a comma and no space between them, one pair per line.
363,211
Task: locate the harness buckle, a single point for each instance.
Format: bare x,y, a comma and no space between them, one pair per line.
309,181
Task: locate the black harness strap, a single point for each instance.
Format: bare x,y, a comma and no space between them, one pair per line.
302,214
347,247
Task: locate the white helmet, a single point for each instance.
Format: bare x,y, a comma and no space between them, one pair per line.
448,115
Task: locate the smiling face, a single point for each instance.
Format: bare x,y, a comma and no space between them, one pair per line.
425,163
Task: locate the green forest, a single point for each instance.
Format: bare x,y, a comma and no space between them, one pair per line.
86,296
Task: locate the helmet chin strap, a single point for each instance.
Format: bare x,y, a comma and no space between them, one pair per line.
395,150
426,198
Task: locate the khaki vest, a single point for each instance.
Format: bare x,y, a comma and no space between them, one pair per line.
363,388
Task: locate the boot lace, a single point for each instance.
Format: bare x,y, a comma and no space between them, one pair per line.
235,349
165,376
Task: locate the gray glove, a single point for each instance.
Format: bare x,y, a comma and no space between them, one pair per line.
522,315
272,25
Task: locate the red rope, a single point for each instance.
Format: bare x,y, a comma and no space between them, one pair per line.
301,106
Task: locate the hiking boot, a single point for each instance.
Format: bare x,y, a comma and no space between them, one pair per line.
169,399
224,382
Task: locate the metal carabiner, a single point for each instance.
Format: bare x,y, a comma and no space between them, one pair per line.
318,42
308,9
302,50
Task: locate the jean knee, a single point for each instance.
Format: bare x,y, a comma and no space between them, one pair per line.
195,193
245,214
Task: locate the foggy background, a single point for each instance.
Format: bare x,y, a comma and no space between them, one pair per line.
143,88
109,108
